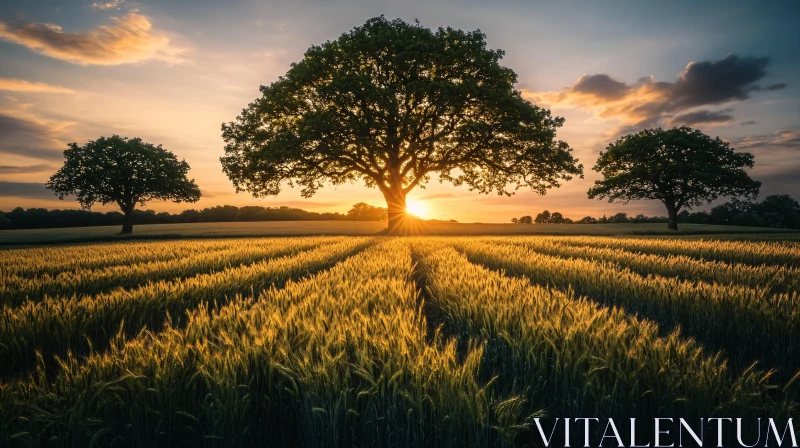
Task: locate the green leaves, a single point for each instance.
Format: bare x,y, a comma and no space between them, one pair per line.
389,103
123,171
682,167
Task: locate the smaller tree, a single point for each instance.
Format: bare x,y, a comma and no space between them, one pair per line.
514,220
527,219
619,218
542,217
780,211
557,218
681,167
365,212
122,171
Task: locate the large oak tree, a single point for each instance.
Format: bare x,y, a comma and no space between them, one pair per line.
122,171
681,167
389,103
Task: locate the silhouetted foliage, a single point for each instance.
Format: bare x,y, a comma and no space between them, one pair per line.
542,217
122,171
557,218
619,218
389,103
365,212
780,211
40,218
681,167
527,219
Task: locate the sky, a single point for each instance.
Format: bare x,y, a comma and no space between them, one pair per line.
171,72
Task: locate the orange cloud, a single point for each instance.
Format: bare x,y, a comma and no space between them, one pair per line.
781,139
20,85
129,39
648,103
115,4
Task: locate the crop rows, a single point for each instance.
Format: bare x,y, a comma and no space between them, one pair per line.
776,278
390,341
40,330
53,260
751,324
744,252
14,289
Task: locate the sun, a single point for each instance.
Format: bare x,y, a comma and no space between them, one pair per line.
416,208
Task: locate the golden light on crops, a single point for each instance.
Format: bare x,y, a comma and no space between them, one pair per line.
417,208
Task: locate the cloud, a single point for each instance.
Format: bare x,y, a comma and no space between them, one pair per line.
30,190
130,39
780,139
5,169
648,102
778,86
20,85
601,86
27,138
747,123
701,116
113,4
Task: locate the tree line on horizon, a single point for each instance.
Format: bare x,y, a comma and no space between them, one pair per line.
41,218
777,211
391,103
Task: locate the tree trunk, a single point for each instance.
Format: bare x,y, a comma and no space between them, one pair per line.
396,203
672,217
127,223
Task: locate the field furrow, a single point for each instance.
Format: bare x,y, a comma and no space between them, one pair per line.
574,356
83,282
396,341
775,278
37,261
750,324
339,359
745,252
59,325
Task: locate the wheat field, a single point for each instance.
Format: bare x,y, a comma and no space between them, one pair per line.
378,341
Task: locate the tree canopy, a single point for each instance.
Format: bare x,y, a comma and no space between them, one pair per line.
681,167
122,171
365,212
389,103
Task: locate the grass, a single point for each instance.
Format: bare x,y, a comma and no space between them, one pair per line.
390,341
362,228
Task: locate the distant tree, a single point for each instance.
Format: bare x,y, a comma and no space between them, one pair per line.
389,103
514,220
568,221
365,212
680,167
749,219
122,171
619,218
587,220
724,213
219,213
779,211
527,219
190,215
699,218
542,217
557,218
5,222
